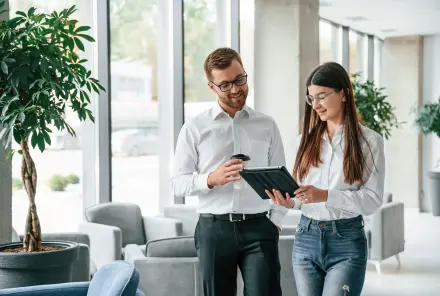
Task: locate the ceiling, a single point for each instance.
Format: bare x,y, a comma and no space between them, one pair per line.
385,18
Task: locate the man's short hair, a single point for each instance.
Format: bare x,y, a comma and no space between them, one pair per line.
220,59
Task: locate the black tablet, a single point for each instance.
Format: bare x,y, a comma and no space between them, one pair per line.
270,178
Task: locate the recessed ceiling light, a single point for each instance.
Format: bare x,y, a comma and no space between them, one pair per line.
356,18
388,30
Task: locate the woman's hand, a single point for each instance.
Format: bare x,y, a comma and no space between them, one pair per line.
311,194
278,198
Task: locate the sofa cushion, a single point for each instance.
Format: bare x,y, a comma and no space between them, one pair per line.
126,216
184,213
182,246
116,278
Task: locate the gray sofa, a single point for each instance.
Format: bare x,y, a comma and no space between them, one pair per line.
170,266
112,226
82,270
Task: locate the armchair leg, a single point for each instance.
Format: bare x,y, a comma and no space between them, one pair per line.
398,259
377,265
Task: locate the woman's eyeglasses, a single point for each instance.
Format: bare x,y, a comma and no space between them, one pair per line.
320,98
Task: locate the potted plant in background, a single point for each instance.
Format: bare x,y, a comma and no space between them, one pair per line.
41,75
428,121
375,111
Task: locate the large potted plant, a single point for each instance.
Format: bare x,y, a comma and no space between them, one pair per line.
428,121
372,106
41,76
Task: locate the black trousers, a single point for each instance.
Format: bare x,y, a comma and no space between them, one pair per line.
252,245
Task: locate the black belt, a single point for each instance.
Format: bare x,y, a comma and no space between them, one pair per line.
233,217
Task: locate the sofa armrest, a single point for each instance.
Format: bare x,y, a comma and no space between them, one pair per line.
161,227
169,276
105,242
64,289
77,237
387,231
133,252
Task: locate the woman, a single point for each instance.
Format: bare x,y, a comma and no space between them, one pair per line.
340,168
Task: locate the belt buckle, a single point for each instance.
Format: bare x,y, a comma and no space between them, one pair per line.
236,220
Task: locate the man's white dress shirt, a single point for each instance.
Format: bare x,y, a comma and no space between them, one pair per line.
345,200
207,141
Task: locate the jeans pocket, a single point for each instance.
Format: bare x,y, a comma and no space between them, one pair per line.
299,229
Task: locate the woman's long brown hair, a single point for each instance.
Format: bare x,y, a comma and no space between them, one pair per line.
334,76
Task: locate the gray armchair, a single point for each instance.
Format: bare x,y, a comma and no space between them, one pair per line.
81,268
385,232
112,226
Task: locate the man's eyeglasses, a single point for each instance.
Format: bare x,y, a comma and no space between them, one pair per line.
320,98
227,86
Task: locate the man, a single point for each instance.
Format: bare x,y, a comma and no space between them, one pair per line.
236,227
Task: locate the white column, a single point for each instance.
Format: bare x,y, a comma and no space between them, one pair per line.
286,51
402,78
5,179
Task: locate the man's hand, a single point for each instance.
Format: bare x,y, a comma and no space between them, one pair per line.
311,194
278,198
227,172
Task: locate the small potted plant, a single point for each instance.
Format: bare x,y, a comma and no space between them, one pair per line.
41,75
428,121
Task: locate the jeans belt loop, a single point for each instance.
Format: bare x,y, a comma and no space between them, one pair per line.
308,223
335,230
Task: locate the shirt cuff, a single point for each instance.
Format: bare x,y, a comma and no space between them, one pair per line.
297,203
334,198
202,183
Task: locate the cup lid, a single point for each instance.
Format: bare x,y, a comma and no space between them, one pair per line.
243,157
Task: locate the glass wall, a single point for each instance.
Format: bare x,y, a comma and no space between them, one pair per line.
134,103
358,53
201,36
59,169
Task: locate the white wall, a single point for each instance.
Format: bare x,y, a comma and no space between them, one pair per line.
431,92
402,77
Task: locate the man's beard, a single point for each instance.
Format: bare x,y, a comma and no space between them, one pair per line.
231,101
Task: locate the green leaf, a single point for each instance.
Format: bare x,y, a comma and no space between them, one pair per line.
21,13
79,44
82,29
3,132
2,4
46,137
34,139
4,67
17,135
9,60
21,117
40,142
87,37
31,11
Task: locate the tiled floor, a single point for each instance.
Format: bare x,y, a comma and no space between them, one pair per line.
419,274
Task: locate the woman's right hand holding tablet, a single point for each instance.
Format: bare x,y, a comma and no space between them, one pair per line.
279,199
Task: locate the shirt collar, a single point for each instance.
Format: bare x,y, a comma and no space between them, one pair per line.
337,136
217,111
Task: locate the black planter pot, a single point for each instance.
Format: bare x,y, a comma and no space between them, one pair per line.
37,268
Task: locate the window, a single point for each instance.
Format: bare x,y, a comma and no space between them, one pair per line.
134,104
377,61
60,208
325,42
206,27
358,53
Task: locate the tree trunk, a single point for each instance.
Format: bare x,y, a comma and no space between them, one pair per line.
32,234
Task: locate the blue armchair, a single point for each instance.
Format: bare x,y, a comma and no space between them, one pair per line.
118,278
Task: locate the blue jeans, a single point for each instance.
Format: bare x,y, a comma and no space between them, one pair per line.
330,257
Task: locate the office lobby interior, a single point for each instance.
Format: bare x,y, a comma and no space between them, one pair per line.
107,189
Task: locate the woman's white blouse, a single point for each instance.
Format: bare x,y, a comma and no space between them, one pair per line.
346,200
